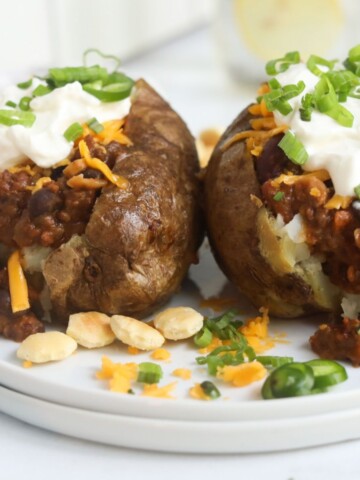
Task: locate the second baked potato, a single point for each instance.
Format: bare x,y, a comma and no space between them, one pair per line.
282,190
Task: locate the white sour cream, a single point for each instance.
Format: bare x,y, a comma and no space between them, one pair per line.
44,143
329,145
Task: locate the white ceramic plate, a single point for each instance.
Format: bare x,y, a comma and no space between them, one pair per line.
72,382
183,436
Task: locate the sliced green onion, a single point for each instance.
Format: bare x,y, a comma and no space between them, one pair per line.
273,67
16,117
293,148
112,92
149,373
277,98
210,390
41,90
250,354
278,196
11,104
102,55
24,103
95,126
314,61
327,372
25,85
61,76
357,191
307,106
354,92
274,84
327,102
73,132
203,338
273,361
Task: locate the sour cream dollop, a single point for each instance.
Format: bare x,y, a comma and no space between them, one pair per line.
330,146
44,143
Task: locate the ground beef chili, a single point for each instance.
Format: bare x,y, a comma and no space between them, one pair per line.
47,217
338,341
332,233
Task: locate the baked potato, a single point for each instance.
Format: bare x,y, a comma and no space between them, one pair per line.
284,232
86,244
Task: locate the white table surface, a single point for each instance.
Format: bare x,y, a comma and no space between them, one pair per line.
190,73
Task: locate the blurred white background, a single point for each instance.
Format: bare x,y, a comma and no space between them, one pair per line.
38,33
57,32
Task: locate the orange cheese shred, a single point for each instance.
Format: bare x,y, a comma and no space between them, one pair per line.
243,374
338,201
154,390
183,373
198,393
98,164
17,283
161,354
264,135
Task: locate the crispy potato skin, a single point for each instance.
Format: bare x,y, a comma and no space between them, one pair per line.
238,229
140,242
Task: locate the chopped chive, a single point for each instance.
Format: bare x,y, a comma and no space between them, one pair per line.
273,361
293,148
41,90
95,126
273,67
25,85
149,373
24,103
210,390
203,338
314,61
11,104
16,117
73,132
278,196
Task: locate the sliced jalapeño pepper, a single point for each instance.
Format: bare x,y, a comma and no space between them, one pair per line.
327,372
290,380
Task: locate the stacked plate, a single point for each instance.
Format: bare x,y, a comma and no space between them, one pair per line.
66,397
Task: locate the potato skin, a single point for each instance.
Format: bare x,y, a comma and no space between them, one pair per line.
140,242
246,248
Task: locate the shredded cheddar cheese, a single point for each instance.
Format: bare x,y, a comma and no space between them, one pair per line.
39,184
338,201
109,369
257,335
25,168
160,354
119,383
291,179
261,134
17,283
27,364
183,373
98,164
198,393
159,392
243,374
133,350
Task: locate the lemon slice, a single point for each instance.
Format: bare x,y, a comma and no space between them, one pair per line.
271,27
